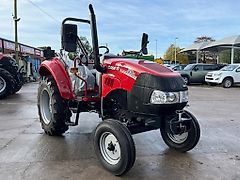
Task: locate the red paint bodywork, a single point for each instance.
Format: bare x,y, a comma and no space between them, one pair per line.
121,74
118,69
60,75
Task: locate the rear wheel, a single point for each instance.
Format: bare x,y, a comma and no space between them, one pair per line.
182,136
227,82
114,147
6,83
52,109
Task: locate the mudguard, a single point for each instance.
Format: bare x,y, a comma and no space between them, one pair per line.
56,69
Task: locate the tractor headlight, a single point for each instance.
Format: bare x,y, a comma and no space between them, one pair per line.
183,96
160,97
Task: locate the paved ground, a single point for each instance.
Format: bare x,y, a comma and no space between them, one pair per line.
27,153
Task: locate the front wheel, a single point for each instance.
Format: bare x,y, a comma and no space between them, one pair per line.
181,136
114,147
227,82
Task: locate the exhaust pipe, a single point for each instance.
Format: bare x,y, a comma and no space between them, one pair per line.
93,26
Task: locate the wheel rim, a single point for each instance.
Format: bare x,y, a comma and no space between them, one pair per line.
178,138
3,84
228,83
110,148
45,106
185,79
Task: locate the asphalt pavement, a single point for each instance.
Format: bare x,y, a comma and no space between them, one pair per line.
27,153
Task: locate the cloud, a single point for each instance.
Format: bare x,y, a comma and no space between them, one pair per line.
121,23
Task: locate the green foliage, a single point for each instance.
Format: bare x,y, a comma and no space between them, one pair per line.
86,44
200,39
237,56
170,55
225,56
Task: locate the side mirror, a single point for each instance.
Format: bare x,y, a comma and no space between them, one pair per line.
144,43
69,37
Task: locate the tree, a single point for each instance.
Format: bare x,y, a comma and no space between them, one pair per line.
225,56
86,44
206,56
170,55
201,39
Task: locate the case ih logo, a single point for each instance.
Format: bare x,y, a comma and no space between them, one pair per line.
117,68
128,72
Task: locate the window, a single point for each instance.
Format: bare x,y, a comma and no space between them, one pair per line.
198,68
209,67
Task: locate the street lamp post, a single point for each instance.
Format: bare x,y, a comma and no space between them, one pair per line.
15,29
175,50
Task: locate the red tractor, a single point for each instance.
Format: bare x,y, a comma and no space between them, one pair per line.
130,96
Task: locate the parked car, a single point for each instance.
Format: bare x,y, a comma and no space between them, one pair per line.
227,76
195,73
178,67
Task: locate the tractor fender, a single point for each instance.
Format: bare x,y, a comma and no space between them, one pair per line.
56,69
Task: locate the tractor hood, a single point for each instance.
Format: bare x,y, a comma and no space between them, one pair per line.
136,67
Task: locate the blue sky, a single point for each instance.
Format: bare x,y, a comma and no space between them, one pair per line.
121,23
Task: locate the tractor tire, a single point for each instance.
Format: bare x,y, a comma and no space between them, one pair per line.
11,66
114,147
182,141
52,109
19,82
6,83
227,82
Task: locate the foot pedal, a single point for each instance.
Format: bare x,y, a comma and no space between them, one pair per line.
70,123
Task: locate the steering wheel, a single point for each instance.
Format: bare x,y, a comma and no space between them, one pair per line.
100,47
